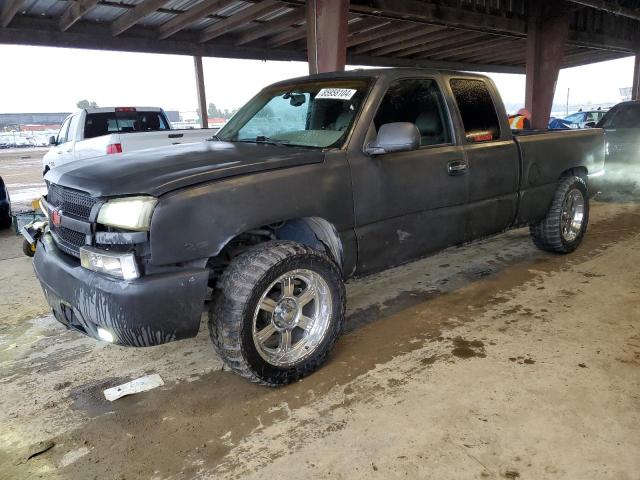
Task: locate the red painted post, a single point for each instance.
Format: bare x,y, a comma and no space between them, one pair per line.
635,89
547,33
327,25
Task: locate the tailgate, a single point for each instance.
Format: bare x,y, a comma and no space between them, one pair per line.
143,140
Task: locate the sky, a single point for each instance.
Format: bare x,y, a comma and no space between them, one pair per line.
44,79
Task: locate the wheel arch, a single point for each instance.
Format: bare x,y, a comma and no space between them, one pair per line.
581,172
315,232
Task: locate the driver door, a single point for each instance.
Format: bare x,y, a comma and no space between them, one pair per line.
57,152
408,204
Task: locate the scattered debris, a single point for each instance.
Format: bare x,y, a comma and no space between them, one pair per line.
73,456
39,448
522,360
138,385
468,349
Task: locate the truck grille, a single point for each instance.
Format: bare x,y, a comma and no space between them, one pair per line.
69,241
72,202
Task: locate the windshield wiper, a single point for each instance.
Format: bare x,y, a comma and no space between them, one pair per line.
263,139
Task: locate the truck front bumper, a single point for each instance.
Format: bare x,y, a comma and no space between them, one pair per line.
151,310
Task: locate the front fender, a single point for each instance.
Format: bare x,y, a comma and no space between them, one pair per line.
197,222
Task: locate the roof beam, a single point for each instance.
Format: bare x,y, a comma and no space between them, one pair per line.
440,14
272,26
288,36
201,10
75,12
429,48
499,55
417,31
129,19
237,20
294,34
477,47
9,11
461,46
420,63
610,7
426,36
437,44
383,29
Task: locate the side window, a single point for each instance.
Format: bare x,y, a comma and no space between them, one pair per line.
476,109
64,130
73,128
419,101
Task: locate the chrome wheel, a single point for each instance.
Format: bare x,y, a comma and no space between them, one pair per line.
292,317
572,215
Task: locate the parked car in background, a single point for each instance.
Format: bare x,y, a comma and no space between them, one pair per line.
621,127
585,119
97,132
314,180
558,124
5,206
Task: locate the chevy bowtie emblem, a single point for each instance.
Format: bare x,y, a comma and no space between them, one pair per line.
55,218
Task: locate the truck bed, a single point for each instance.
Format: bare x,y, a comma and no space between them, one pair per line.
539,176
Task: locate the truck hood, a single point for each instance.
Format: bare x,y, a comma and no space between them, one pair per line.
156,171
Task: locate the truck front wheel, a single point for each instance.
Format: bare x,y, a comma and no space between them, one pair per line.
563,229
277,312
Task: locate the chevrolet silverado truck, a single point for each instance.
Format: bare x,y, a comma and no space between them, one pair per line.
313,181
98,132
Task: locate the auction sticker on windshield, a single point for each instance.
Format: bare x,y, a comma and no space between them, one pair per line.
336,93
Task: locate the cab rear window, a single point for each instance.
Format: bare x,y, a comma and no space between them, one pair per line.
104,123
476,109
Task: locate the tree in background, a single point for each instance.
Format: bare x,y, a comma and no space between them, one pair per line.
215,112
86,104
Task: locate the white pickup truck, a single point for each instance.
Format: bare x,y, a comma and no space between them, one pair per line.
95,132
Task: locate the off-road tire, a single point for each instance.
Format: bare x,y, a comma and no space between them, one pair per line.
235,298
547,234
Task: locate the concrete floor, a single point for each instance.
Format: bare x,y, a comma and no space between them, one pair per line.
494,360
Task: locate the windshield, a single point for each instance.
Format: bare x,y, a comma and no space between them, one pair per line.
622,116
574,118
313,114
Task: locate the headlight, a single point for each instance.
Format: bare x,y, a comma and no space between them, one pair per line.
120,265
130,213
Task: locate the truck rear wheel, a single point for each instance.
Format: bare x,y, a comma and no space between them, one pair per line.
277,312
563,229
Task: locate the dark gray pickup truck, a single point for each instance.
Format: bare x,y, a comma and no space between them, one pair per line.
315,180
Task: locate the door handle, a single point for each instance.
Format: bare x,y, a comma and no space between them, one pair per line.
69,151
456,168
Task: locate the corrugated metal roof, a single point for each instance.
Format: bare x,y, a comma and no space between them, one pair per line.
621,35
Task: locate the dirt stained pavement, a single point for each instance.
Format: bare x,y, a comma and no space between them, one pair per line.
493,360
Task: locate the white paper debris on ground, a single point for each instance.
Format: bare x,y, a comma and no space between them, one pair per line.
138,385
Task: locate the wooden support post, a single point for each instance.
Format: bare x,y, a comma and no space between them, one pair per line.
327,30
547,34
635,89
202,98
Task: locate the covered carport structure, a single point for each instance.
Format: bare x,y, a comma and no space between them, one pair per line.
535,37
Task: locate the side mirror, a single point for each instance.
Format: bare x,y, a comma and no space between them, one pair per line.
52,140
395,137
589,124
